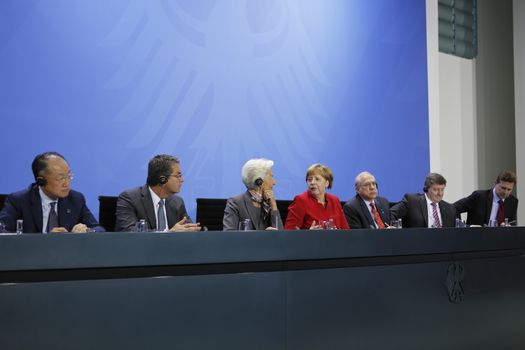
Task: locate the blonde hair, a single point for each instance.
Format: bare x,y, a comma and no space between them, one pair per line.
323,170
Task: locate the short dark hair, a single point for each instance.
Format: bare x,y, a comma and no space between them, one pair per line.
506,176
433,178
158,166
39,164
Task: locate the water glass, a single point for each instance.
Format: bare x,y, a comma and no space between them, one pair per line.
19,226
141,225
245,225
328,224
493,223
460,223
396,223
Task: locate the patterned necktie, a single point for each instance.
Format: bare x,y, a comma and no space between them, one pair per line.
500,216
161,217
377,218
435,215
52,219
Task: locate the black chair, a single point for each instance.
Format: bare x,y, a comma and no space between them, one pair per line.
2,200
107,212
211,210
282,205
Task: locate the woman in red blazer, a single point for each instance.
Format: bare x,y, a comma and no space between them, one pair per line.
315,209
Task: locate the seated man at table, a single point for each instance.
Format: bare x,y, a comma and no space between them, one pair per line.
49,204
496,204
367,209
156,202
427,209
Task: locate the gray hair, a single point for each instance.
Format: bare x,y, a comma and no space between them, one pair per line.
359,176
253,170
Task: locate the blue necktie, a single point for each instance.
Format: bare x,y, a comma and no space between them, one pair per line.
161,217
52,219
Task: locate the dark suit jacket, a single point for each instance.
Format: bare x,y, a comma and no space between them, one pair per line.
358,215
479,205
237,210
27,205
137,204
413,210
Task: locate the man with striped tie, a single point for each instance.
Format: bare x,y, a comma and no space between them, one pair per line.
427,209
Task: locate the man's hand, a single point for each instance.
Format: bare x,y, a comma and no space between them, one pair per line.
79,228
184,226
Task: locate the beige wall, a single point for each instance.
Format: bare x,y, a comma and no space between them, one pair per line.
471,103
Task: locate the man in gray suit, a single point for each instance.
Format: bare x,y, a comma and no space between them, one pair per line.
427,209
156,202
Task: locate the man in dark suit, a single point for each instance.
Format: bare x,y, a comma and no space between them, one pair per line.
49,205
496,204
428,209
156,202
367,209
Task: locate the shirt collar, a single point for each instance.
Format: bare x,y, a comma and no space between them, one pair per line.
156,199
44,198
495,198
429,202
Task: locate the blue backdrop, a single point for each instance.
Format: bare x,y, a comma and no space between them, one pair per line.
111,83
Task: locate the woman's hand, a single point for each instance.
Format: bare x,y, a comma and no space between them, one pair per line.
269,196
315,226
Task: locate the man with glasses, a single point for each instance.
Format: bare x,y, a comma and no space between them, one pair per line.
496,204
367,209
49,204
156,202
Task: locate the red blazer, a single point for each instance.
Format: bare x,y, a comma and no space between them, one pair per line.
305,209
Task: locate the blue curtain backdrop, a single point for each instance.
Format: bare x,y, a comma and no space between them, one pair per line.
109,84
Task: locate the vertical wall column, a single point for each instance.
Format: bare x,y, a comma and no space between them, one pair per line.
495,91
519,93
452,122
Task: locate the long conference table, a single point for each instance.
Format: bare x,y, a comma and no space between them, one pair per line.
357,289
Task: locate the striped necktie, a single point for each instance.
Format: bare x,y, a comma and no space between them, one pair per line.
435,215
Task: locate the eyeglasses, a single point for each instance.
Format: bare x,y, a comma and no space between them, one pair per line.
178,176
369,184
64,178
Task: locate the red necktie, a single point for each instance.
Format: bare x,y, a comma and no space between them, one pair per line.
500,216
377,218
